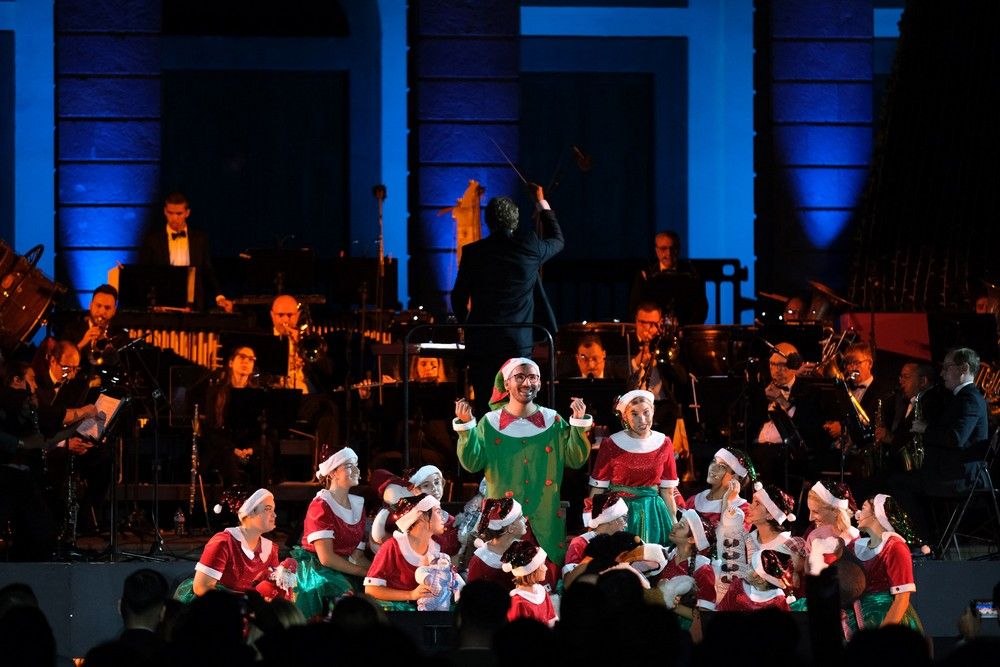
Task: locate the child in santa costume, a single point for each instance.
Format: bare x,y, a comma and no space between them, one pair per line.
238,558
885,556
392,488
769,513
603,514
639,462
500,525
730,468
688,580
529,599
764,587
428,479
392,576
523,449
831,508
331,559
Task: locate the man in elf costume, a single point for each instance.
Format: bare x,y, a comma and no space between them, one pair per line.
523,448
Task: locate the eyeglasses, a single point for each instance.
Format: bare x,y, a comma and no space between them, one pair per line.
590,360
855,361
777,364
521,378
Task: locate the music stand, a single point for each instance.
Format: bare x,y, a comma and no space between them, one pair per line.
141,287
279,271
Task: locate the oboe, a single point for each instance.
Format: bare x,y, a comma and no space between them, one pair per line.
195,429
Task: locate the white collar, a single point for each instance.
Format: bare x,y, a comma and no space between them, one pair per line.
763,596
705,506
632,445
348,515
535,596
411,556
522,428
779,539
170,231
863,549
488,557
961,387
265,544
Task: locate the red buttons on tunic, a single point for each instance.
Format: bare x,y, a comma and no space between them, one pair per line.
548,450
525,461
523,441
497,441
559,513
509,494
548,482
557,418
527,481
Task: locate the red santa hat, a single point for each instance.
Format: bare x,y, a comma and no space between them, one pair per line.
240,501
629,396
422,473
391,486
406,512
735,459
778,503
500,395
605,508
698,529
335,460
499,513
773,566
834,494
522,558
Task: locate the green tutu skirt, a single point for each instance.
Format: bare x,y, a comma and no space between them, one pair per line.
317,584
185,590
874,607
647,513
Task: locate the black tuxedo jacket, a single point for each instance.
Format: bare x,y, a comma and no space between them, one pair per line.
156,252
955,441
500,274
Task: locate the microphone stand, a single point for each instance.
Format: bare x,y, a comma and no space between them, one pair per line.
380,193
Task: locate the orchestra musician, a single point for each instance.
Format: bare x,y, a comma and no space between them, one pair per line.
93,331
670,282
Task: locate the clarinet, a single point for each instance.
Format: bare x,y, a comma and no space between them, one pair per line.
194,459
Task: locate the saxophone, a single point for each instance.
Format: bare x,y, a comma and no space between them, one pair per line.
912,453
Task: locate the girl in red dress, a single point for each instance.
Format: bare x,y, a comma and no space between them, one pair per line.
603,514
529,599
429,480
831,508
764,586
729,465
688,580
502,523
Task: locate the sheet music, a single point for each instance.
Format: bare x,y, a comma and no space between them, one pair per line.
107,407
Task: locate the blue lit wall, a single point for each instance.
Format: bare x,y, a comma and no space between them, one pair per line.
108,129
822,101
464,66
30,22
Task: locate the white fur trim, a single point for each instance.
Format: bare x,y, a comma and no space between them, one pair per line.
337,459
819,548
515,513
393,493
903,588
536,562
705,604
411,556
250,504
761,494
511,365
671,588
265,545
319,535
599,484
629,396
883,520
697,529
372,581
488,557
421,475
829,498
763,596
463,426
378,526
627,443
583,422
730,459
618,509
426,504
669,483
349,515
204,569
535,595
628,568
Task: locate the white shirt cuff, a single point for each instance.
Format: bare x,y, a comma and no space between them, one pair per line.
543,206
600,483
463,426
903,588
204,569
372,581
585,422
319,535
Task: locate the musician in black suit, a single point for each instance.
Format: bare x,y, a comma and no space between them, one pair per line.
671,283
866,387
499,276
179,245
954,441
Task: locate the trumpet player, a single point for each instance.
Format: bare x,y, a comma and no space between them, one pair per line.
92,330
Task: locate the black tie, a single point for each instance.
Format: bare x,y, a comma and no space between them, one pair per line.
178,235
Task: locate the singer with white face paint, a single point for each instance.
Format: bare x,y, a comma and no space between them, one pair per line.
523,449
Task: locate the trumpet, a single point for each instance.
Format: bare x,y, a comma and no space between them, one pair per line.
100,343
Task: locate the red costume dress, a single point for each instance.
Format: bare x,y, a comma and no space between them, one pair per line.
704,577
485,564
639,468
532,603
888,572
740,597
229,560
326,519
448,540
574,553
395,566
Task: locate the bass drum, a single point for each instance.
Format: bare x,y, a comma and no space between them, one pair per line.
26,295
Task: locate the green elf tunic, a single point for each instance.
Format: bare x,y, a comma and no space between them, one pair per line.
525,460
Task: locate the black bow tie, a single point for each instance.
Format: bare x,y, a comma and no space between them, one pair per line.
178,235
782,387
